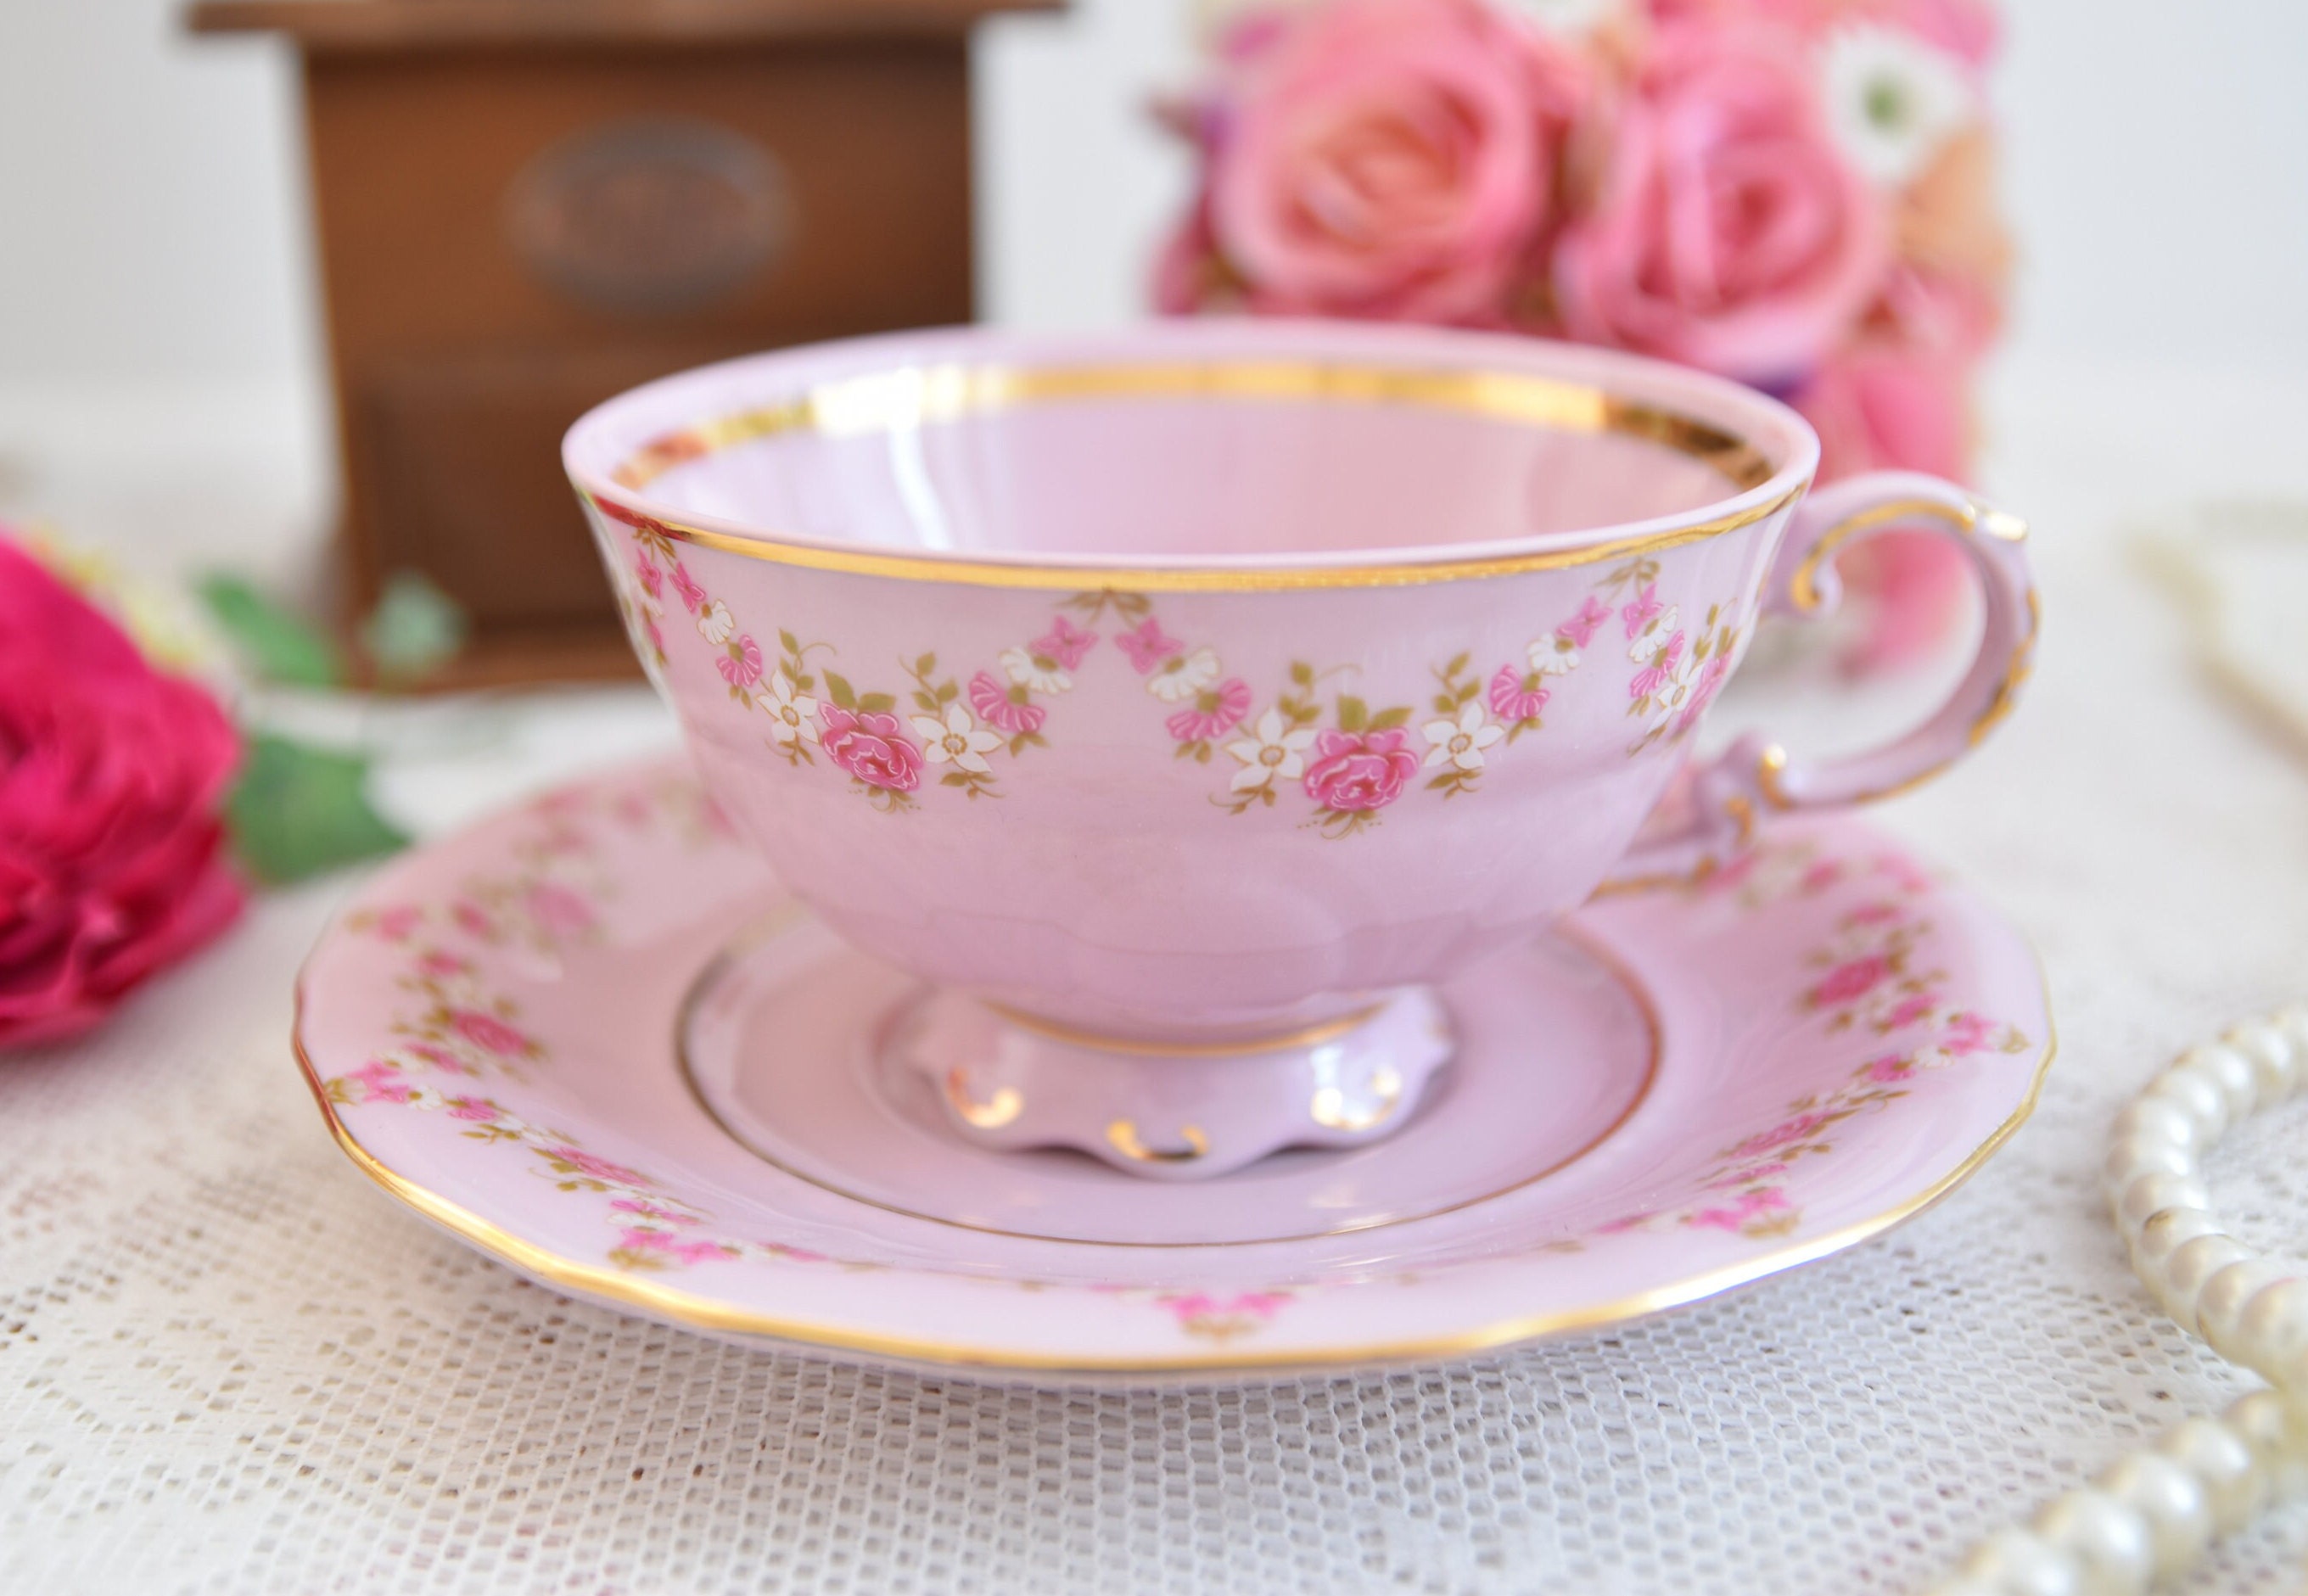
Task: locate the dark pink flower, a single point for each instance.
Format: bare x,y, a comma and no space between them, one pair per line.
1850,981
487,1031
1214,713
1355,771
1578,630
870,747
1653,678
686,1252
1637,611
1064,642
1748,1205
691,596
995,704
472,1108
741,663
441,965
594,1165
652,576
1711,677
561,911
1785,1134
1517,696
473,920
397,923
1147,646
1891,1066
112,780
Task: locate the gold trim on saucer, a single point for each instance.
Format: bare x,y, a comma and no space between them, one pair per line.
1305,1036
704,1313
1122,1136
915,397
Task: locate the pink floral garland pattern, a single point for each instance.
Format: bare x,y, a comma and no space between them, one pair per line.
1349,760
456,1031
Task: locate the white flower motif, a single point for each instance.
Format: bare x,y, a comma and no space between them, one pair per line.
1038,672
1272,751
1554,655
957,738
1460,742
793,716
1654,635
428,1098
1183,676
1894,100
714,622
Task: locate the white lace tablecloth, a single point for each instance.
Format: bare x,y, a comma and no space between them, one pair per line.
229,1363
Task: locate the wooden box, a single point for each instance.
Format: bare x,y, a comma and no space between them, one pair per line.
525,206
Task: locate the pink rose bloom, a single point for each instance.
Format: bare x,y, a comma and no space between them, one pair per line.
1352,771
870,747
479,1109
1392,158
439,965
1748,1205
1515,696
1850,981
473,920
1064,642
1889,1069
1213,713
1783,1135
990,697
1730,232
596,1166
560,911
397,923
1147,645
1969,29
112,778
485,1031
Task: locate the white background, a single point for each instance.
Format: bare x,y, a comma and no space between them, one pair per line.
156,280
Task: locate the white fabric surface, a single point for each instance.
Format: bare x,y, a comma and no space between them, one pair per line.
229,1363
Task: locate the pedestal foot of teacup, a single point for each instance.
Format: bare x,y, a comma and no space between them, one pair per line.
1172,1112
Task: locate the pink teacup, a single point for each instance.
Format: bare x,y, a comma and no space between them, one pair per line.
1182,705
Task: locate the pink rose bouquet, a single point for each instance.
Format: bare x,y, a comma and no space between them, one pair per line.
112,775
1796,193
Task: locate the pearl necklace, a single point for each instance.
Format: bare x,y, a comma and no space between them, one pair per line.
2151,1517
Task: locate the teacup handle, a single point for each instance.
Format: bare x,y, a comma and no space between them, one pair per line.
1721,801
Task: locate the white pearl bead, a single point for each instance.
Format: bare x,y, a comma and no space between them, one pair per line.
2109,1541
2170,1501
2151,1194
2143,1155
2198,1094
2184,1273
2220,1304
2275,1067
2228,1070
2018,1563
2293,1022
2165,1233
2271,1331
2266,1426
2223,1463
2155,1120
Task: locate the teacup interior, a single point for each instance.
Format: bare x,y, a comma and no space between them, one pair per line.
1212,457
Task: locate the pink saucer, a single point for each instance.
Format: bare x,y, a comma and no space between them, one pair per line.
593,1037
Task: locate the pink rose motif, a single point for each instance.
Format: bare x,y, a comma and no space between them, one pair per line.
594,1165
1873,914
477,1110
1353,772
1213,713
1889,1069
487,1031
1580,630
655,635
1655,677
1201,1305
439,965
990,697
672,1247
440,1058
1783,1135
1064,642
112,778
398,923
1907,1011
1822,875
652,578
741,665
473,920
870,747
1515,696
693,597
651,1211
1850,981
558,911
1392,158
1147,645
1730,232
381,1082
1638,611
1966,1034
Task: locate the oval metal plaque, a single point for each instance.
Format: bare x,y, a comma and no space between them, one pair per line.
650,215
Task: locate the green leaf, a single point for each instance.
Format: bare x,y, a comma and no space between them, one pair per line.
924,665
1302,673
947,693
1388,720
1353,714
788,642
1445,704
838,686
1456,666
877,702
925,702
276,644
415,629
297,810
